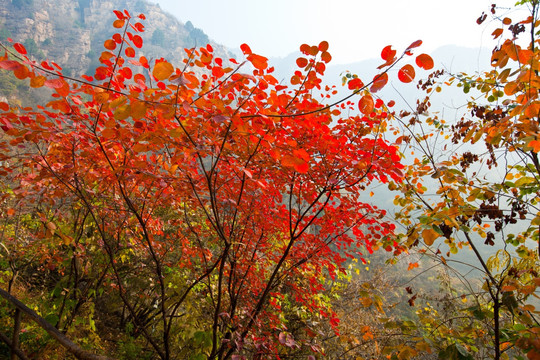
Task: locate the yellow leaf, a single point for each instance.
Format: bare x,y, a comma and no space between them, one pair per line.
162,70
37,81
138,109
122,112
429,236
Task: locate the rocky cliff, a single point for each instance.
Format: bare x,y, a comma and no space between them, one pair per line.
71,32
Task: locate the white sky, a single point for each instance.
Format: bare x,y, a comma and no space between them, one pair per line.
355,29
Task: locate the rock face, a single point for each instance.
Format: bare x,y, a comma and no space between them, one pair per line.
71,32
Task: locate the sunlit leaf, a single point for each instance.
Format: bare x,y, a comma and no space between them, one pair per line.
162,70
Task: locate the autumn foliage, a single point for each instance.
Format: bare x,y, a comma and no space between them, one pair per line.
205,203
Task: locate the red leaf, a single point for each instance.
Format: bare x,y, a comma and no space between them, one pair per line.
355,83
9,64
245,49
379,81
139,27
415,44
118,14
323,46
387,53
406,74
424,61
46,65
130,52
117,38
217,71
326,57
54,83
209,48
19,48
137,41
301,62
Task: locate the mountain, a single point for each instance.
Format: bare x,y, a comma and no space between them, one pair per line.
72,32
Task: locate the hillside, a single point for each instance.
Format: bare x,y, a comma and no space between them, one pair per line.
71,32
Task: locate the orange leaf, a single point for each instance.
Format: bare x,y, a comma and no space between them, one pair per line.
260,62
498,32
119,23
424,61
366,104
21,72
162,70
510,88
379,81
406,74
138,109
110,44
535,144
525,56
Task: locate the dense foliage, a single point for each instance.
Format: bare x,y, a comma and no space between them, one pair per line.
207,211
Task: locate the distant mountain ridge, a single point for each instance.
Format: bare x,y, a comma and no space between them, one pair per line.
71,32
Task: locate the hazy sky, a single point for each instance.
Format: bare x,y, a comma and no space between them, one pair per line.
355,29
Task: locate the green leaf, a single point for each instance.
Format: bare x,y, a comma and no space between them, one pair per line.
52,319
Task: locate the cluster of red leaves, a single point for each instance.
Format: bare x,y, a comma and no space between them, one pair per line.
260,183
